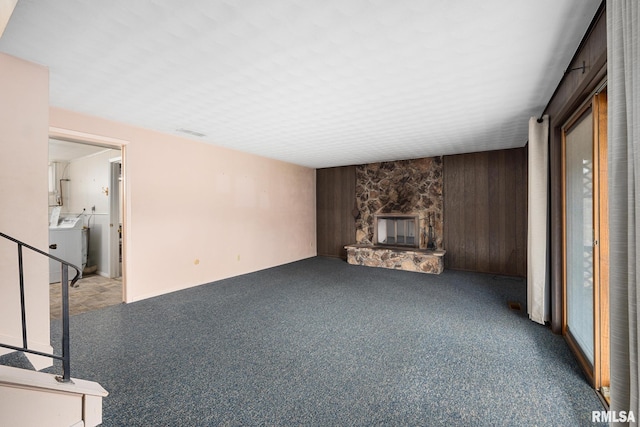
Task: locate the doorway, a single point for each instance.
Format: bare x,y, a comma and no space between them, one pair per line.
81,188
585,239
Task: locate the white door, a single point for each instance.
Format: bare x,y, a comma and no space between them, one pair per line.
115,266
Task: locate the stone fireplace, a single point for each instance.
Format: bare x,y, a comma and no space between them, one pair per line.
399,220
403,187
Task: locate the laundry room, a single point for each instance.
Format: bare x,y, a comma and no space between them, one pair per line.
85,208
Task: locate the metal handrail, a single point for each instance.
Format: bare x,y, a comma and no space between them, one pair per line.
64,283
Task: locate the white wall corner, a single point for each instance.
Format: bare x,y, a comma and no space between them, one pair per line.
92,410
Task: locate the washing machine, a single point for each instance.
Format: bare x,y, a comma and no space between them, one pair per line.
67,241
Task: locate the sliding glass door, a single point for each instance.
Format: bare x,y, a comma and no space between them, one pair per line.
586,246
579,233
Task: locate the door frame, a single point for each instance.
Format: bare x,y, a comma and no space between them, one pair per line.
107,142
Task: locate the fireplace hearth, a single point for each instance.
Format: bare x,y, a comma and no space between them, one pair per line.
407,259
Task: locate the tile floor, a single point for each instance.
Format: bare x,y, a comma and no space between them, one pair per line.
93,292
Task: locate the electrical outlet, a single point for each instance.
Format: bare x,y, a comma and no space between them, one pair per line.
93,209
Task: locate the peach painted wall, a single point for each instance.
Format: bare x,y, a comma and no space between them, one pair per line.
24,127
196,213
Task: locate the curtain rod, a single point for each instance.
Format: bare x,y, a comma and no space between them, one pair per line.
567,71
592,25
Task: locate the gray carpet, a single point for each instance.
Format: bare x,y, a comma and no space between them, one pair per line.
16,359
321,343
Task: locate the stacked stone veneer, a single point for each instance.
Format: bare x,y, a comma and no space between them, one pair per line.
417,260
403,186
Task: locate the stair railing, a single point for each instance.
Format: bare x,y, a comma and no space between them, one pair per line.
64,283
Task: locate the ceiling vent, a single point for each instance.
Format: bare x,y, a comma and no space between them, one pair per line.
191,132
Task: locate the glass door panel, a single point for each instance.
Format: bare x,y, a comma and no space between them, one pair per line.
579,194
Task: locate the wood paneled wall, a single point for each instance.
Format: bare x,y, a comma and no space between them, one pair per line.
574,88
335,202
485,212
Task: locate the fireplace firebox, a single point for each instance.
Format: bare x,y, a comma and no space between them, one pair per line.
397,230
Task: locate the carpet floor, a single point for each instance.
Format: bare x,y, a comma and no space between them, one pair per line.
321,343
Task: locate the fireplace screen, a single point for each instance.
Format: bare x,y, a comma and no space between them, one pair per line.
396,230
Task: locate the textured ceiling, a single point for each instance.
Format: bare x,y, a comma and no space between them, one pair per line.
317,83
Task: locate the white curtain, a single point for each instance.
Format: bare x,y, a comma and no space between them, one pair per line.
623,93
538,305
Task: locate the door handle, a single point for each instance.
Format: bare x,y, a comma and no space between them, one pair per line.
53,246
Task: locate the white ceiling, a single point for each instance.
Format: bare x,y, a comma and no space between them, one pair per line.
317,83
